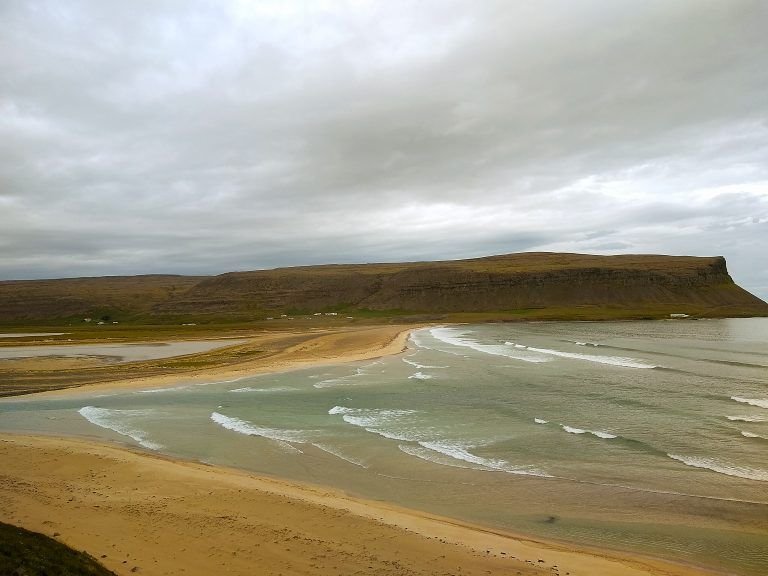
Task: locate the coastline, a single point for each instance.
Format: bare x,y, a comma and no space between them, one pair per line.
162,515
326,348
475,548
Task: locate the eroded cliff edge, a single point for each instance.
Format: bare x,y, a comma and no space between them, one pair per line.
525,285
498,283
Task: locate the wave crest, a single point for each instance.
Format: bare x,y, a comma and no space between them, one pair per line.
120,421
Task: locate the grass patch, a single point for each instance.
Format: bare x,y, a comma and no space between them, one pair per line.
25,553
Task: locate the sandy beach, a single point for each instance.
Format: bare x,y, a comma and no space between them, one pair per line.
147,514
279,351
151,514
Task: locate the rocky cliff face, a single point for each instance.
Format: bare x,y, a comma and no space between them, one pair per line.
635,284
517,281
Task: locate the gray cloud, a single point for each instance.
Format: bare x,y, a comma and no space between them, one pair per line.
201,137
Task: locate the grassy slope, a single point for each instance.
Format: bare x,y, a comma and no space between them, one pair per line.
530,285
508,287
25,553
32,301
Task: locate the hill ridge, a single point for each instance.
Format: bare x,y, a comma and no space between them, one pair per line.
555,284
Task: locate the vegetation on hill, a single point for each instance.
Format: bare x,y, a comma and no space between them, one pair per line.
514,286
25,553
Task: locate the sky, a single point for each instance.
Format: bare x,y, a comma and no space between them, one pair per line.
200,137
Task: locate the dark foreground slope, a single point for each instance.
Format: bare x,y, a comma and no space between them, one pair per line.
25,553
516,285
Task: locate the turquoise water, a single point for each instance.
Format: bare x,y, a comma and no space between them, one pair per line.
645,436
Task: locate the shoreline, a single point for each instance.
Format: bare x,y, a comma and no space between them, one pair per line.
157,506
335,347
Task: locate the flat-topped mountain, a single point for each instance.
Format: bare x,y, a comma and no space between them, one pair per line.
515,285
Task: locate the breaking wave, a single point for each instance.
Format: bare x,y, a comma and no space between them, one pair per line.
747,418
281,436
460,451
598,433
592,344
610,360
436,457
456,338
420,366
120,421
722,468
419,376
759,402
392,424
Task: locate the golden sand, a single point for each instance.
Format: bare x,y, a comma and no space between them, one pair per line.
325,347
149,514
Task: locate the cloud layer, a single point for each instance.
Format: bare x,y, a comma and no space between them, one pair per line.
203,137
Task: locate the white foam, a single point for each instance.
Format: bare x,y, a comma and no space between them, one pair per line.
287,447
540,421
414,337
276,389
460,451
419,376
421,366
436,457
456,338
340,410
344,380
759,402
336,452
249,429
598,433
610,360
120,421
159,390
606,435
515,345
392,424
722,468
747,418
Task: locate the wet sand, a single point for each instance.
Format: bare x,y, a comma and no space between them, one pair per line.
148,514
272,352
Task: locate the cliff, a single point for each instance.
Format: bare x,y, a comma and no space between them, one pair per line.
538,284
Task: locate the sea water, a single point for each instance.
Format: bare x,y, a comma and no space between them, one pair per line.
640,436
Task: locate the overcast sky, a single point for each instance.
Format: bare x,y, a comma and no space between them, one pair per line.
202,137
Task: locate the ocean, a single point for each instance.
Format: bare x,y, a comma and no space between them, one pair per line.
649,437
